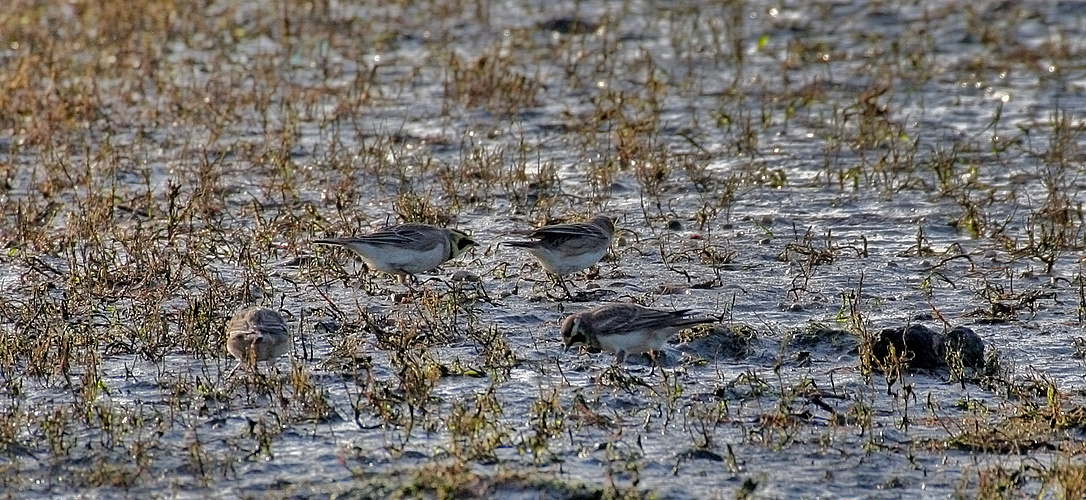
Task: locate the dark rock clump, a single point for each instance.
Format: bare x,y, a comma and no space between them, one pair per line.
964,344
920,347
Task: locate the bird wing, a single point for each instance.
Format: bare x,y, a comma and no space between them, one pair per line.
621,318
655,318
407,236
568,231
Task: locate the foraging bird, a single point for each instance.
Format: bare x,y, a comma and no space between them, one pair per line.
406,249
567,248
256,334
625,328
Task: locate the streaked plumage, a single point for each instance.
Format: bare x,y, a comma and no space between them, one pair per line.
257,334
625,328
567,248
406,249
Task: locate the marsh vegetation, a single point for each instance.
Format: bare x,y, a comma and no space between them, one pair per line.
811,173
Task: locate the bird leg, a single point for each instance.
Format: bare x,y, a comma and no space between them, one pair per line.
655,361
558,280
414,288
234,370
562,283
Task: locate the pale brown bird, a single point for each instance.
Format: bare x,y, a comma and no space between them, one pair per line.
257,334
625,328
406,249
564,249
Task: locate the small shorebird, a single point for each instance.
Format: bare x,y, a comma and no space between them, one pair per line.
567,248
626,328
256,334
407,249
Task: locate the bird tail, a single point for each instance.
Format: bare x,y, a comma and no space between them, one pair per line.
520,244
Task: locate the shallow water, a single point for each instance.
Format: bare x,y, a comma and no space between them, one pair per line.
765,133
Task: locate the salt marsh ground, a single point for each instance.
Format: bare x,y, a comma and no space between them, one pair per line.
808,172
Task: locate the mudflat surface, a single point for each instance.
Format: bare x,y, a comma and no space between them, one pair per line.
808,173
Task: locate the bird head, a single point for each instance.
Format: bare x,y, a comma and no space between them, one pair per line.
573,333
605,222
461,242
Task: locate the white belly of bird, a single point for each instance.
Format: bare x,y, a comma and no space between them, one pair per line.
398,261
562,265
637,341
